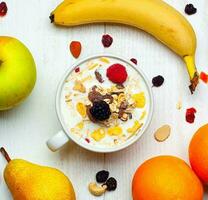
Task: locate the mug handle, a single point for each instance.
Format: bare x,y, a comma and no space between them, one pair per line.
57,141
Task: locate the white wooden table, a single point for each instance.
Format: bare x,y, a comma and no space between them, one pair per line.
24,130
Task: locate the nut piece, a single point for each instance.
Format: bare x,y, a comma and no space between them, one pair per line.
97,190
162,133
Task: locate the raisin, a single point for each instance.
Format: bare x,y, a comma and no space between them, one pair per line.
107,40
102,176
111,184
134,60
3,9
158,81
190,9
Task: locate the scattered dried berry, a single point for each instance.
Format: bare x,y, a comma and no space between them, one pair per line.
117,73
3,9
100,110
87,140
204,77
102,176
75,48
157,81
190,115
77,69
99,76
107,40
134,60
190,9
111,184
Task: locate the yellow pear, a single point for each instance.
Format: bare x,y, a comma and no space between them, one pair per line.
28,181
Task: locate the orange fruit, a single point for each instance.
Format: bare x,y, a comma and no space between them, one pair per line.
166,178
198,153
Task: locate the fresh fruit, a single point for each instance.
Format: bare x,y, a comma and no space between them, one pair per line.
17,72
75,48
100,110
29,181
102,176
117,73
153,16
198,153
166,178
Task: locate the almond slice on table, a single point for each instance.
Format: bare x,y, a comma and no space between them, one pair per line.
162,133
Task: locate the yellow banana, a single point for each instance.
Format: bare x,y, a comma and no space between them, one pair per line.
153,16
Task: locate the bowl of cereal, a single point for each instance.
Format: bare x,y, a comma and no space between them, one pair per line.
104,104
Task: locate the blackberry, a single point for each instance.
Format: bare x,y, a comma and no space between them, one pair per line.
111,184
102,176
100,110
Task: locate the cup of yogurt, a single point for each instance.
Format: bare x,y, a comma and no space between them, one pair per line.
104,104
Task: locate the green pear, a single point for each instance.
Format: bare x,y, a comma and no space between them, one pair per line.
28,181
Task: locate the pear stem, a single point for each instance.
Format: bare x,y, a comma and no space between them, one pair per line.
5,154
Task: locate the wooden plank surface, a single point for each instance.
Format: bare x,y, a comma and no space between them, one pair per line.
24,130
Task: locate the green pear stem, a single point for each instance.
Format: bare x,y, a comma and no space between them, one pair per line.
5,154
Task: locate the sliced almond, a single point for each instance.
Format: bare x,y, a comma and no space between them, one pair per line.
162,133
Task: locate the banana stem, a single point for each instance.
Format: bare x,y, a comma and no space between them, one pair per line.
5,154
193,74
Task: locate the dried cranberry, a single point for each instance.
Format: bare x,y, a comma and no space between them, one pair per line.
134,60
107,40
3,9
77,69
190,115
204,77
87,140
190,9
157,81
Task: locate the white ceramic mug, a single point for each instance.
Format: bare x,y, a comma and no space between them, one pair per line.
64,136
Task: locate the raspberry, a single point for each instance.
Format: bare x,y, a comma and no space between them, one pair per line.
117,73
100,110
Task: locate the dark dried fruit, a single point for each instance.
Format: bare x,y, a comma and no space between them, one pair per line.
190,9
107,40
99,77
111,184
77,69
157,81
134,60
102,176
190,115
3,9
